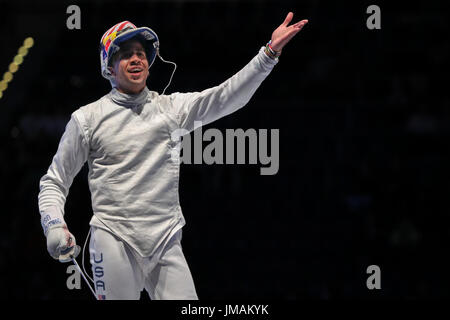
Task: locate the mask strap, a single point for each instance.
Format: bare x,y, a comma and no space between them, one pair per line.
174,69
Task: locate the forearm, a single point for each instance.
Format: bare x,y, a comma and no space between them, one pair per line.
51,200
211,104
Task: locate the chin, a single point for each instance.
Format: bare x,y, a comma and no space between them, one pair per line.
138,81
138,88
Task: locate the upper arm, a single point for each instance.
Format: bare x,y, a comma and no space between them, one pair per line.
211,104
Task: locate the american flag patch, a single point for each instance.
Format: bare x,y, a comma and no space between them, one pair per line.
101,297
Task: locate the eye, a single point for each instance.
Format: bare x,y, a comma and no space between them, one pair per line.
141,54
127,54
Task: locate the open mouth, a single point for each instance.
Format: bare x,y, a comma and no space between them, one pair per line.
135,70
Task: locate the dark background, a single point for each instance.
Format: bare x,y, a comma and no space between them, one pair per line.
364,154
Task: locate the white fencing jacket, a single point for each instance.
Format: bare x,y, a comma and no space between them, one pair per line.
126,140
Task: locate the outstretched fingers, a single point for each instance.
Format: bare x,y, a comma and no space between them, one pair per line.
300,24
288,19
284,33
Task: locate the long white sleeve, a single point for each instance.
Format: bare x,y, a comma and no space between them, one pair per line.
213,103
72,153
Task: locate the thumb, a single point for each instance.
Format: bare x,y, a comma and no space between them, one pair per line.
288,19
66,241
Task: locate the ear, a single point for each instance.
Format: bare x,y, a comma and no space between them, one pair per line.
111,70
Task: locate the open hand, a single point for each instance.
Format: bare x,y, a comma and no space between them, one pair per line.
284,33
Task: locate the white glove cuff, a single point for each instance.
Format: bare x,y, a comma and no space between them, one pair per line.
52,217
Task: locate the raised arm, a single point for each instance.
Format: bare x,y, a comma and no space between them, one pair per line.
213,103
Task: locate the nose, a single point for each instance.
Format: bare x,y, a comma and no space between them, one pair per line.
135,58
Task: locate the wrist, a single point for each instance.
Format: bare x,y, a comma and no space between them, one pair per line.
51,217
271,52
54,226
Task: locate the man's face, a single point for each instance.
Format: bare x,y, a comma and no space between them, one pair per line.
130,68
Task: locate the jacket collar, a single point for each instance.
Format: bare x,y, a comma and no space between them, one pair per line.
130,100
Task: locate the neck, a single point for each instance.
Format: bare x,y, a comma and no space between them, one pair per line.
129,99
130,91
